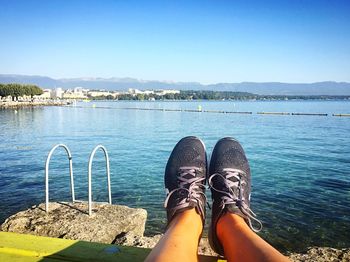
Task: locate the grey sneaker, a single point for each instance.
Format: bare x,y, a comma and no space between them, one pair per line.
230,184
184,178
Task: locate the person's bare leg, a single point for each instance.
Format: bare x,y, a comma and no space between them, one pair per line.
241,243
180,241
184,180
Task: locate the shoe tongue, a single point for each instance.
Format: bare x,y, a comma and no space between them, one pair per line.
181,194
223,186
189,175
221,183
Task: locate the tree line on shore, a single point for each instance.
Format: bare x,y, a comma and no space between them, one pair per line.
218,95
17,90
184,95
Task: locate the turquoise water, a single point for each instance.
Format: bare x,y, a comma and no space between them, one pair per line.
300,164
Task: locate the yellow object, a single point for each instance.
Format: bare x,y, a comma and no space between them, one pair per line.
29,248
20,247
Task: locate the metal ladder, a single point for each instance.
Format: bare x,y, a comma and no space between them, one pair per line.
108,176
72,177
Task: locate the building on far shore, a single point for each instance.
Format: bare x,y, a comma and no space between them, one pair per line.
81,93
57,93
45,95
165,92
76,93
95,93
135,92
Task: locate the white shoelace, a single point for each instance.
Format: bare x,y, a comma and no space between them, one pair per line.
230,197
192,186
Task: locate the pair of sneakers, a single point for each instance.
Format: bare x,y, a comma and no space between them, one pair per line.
228,177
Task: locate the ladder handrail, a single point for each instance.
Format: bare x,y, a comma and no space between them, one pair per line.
47,174
108,176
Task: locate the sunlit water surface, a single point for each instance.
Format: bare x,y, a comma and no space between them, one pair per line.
300,164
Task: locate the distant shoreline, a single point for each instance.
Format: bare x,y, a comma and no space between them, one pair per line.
248,98
345,98
20,104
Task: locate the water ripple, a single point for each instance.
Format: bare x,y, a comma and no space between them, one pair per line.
300,165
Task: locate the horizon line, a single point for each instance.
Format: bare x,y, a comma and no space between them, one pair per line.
90,78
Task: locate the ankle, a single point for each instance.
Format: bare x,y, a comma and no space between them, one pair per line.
229,221
189,219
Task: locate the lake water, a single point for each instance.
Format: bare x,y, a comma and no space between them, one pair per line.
300,164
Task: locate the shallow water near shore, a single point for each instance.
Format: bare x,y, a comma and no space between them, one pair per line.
300,164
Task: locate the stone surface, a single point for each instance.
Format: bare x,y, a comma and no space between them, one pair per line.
321,254
70,221
120,225
130,239
16,104
204,248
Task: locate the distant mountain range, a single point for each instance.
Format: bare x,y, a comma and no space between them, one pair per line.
268,88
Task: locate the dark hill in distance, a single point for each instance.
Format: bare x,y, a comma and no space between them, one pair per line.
268,88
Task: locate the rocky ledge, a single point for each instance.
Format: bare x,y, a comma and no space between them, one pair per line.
319,254
71,221
119,225
16,104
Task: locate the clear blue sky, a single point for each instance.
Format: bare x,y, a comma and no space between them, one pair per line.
202,41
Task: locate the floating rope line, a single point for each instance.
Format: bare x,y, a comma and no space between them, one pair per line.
214,111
